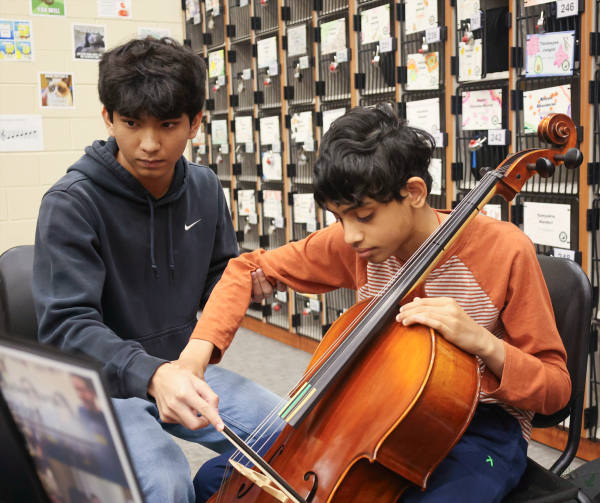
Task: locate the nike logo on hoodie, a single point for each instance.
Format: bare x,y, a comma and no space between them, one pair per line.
188,227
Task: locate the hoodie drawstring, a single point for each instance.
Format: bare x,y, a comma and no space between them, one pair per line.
170,229
152,236
171,259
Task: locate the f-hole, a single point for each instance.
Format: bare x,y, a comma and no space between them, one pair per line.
313,490
241,492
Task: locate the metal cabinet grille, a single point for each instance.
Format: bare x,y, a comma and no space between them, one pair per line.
336,302
243,97
270,95
300,10
255,310
337,84
217,92
594,169
244,162
331,6
215,27
308,322
467,166
564,181
299,229
276,312
194,33
200,158
371,101
267,11
437,201
378,78
412,42
301,160
517,211
249,231
595,45
527,18
596,258
221,161
302,80
239,17
276,235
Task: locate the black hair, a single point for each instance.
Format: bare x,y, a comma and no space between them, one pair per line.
151,77
370,153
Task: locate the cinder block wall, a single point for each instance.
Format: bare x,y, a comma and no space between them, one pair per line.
26,176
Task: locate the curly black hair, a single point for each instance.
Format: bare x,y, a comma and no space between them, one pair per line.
150,77
370,153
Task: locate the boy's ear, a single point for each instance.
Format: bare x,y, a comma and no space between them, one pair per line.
107,122
195,126
417,189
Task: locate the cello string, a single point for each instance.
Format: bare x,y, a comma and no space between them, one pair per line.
383,291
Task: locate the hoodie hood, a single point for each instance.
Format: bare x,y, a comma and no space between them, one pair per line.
101,166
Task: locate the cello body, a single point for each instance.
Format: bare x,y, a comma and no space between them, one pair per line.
390,420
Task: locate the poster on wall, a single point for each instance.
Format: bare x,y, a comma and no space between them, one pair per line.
272,206
156,33
548,224
333,36
269,130
266,52
550,54
243,129
271,166
470,61
424,114
56,90
420,15
114,8
53,8
540,102
89,41
301,127
16,41
304,208
192,11
482,110
329,116
423,71
218,132
465,9
216,63
246,202
297,40
375,24
21,133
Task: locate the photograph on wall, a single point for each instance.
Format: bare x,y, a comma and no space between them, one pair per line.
424,114
375,24
550,54
333,36
114,8
296,40
66,422
482,110
53,8
266,52
420,15
156,33
435,170
538,103
16,41
56,90
423,71
21,133
89,41
470,61
216,63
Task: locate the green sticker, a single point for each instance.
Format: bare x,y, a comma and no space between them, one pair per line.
490,460
47,8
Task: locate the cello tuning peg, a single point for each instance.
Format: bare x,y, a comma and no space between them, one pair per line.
484,171
544,166
572,159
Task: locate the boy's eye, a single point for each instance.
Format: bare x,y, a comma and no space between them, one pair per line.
169,124
130,123
365,218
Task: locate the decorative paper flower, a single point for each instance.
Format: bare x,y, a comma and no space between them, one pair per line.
561,56
533,45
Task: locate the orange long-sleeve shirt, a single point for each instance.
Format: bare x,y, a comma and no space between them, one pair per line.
491,270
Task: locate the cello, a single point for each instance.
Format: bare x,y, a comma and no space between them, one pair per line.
374,388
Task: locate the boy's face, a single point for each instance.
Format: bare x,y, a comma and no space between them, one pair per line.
150,147
376,231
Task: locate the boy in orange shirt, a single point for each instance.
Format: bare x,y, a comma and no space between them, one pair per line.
372,174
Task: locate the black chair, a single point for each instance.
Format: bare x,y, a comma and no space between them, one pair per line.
571,296
17,312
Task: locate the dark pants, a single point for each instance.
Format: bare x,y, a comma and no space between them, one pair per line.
484,466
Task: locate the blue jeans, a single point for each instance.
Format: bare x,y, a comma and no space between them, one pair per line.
161,467
466,475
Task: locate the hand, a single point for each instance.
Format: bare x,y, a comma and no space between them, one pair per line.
195,357
180,396
446,316
261,288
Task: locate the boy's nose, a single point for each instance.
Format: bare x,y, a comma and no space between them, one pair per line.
150,143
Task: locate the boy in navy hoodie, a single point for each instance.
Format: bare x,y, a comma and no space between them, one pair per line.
129,244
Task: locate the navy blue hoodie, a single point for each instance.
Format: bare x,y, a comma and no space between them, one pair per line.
119,275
